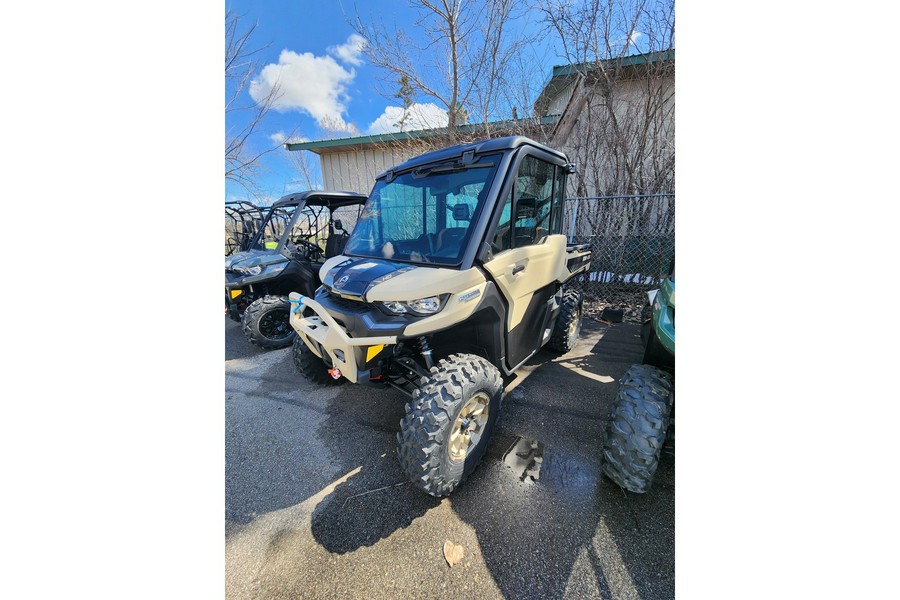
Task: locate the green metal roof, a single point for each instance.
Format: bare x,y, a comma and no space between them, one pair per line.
632,60
563,75
412,135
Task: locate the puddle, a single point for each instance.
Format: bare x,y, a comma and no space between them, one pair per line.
525,457
533,462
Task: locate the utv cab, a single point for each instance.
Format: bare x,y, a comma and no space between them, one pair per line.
242,221
298,234
455,275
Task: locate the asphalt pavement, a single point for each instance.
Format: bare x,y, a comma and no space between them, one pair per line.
316,505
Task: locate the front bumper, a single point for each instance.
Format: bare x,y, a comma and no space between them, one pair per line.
236,300
347,354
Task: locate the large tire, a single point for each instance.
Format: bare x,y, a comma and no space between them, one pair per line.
568,323
266,322
637,429
449,422
311,366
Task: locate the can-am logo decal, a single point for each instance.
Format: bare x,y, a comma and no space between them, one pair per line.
340,282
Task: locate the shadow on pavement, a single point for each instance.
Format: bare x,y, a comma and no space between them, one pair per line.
561,528
236,344
548,525
360,431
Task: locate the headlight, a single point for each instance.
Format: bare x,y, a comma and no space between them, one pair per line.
395,307
256,270
427,306
420,307
270,270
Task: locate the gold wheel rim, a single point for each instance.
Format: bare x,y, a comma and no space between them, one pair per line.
575,326
468,427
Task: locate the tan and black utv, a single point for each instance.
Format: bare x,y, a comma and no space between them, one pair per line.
454,276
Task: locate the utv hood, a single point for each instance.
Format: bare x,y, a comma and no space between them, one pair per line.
252,258
356,276
376,279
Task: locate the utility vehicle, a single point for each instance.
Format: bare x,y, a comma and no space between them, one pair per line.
454,276
299,232
641,414
242,221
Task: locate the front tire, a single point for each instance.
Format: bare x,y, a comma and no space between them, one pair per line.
266,322
637,429
311,366
568,323
449,422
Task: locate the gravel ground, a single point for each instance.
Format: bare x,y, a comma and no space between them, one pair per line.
317,506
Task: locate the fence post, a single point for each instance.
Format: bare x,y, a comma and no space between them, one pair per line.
574,217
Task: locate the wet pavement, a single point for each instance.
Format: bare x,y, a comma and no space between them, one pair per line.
318,507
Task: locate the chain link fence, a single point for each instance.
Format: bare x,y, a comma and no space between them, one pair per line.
633,243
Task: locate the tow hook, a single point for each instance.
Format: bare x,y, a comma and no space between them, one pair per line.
335,373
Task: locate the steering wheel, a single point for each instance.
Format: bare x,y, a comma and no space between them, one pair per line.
311,249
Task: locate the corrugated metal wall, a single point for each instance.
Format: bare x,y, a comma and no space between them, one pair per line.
355,171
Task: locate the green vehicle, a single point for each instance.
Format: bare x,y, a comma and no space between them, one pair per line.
642,412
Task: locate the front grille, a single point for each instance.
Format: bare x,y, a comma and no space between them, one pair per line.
344,304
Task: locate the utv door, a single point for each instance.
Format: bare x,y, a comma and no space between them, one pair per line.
528,254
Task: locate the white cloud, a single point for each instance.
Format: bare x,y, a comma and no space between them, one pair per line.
632,38
351,50
307,83
419,116
278,137
297,185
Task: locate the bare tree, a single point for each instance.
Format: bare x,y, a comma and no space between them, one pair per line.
242,160
619,123
309,172
506,82
462,64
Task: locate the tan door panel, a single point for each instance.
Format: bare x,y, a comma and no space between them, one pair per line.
520,272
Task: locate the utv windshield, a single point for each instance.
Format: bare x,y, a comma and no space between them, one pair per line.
306,225
272,228
425,215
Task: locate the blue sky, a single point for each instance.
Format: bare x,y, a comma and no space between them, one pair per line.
326,87
312,50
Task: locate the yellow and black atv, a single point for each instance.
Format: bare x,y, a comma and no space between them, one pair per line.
454,276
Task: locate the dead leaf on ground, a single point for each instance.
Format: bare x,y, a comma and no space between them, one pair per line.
453,553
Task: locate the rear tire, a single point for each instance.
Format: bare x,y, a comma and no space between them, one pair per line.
266,322
568,323
449,422
637,429
311,366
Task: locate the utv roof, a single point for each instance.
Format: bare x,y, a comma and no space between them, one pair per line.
320,198
494,145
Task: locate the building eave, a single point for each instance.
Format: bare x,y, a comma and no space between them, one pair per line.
565,75
351,144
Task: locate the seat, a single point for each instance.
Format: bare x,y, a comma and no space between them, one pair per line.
449,238
335,243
